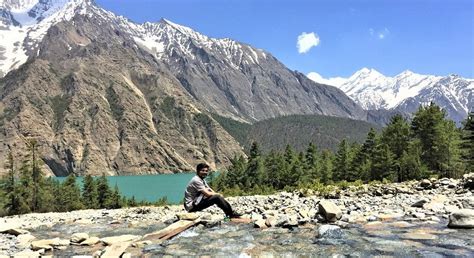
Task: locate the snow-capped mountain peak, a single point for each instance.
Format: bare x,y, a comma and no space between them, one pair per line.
407,90
24,23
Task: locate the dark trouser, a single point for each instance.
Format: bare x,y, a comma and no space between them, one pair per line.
215,199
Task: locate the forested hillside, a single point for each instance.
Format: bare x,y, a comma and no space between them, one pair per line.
326,132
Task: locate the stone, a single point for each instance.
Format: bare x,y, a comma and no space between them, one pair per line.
329,231
15,231
419,215
90,241
188,216
79,237
260,224
468,202
24,240
271,221
119,239
463,218
425,183
46,244
420,203
329,210
115,250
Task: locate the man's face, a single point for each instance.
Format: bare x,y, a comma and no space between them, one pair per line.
203,172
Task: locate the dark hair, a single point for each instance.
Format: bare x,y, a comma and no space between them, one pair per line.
200,166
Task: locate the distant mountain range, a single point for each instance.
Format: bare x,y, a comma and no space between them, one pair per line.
105,95
406,91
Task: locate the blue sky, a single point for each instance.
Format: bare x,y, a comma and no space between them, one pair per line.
424,36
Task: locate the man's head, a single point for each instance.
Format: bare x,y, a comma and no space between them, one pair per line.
202,170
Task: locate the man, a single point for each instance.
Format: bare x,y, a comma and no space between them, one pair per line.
199,196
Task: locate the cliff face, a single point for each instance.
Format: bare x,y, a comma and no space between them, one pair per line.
99,104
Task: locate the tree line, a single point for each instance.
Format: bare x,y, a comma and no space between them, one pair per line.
428,145
27,190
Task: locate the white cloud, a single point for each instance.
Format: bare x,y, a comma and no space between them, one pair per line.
306,41
380,34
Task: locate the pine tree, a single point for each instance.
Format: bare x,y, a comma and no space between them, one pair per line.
439,140
383,163
71,194
397,136
342,161
467,144
255,172
116,200
326,166
275,166
410,164
104,192
312,163
362,163
90,195
12,205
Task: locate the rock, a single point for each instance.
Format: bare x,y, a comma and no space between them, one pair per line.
425,183
271,221
420,203
188,216
329,210
28,253
372,218
14,231
126,255
90,241
436,204
419,215
115,250
462,219
119,239
79,237
329,231
291,221
24,240
468,202
141,244
260,224
46,244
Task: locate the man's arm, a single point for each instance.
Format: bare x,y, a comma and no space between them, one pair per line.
208,192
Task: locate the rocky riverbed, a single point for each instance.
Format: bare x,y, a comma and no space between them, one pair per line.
418,218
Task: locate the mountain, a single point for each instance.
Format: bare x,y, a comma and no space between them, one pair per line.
406,91
97,104
298,131
105,95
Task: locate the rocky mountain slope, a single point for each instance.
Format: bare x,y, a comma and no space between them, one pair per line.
106,95
99,104
406,91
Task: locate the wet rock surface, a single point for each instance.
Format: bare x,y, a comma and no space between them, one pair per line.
365,221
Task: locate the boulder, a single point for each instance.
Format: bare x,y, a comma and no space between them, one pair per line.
468,202
24,240
90,241
463,218
425,183
79,237
329,231
260,224
329,210
420,203
14,231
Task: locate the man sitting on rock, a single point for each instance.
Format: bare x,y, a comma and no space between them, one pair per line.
199,196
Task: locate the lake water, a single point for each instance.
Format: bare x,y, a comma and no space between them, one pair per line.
149,187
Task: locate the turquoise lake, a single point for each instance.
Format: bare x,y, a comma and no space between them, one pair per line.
149,187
